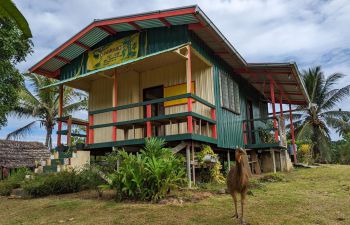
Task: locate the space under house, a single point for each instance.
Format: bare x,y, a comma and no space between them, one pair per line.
173,74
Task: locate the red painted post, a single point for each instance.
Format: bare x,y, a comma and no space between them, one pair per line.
292,133
87,134
281,106
91,130
213,128
245,133
60,113
148,123
115,103
189,90
272,93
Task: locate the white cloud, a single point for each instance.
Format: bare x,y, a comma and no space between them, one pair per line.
310,32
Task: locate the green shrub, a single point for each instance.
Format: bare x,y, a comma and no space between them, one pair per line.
214,174
92,179
12,182
51,184
148,175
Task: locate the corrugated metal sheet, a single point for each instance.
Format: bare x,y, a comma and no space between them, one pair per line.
150,23
53,64
122,27
72,51
183,19
93,37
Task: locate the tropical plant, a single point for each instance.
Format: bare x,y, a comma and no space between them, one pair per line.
9,10
314,122
214,166
42,105
14,47
341,150
13,181
149,174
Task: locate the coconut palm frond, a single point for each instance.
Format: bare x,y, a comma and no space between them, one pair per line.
81,105
335,98
336,114
331,80
21,132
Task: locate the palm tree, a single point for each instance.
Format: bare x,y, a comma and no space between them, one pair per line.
314,122
42,105
8,9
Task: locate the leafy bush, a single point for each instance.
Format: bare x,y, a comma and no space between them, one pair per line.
58,183
62,183
92,179
12,182
214,174
148,175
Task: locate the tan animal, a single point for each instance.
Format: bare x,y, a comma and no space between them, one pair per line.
238,179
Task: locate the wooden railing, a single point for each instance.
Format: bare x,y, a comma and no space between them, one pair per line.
149,120
261,132
69,120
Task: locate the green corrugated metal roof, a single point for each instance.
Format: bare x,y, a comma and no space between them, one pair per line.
93,37
183,19
72,51
150,23
53,65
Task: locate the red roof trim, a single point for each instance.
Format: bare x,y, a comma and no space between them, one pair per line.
109,22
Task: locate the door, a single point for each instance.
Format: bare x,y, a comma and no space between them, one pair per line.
153,93
250,116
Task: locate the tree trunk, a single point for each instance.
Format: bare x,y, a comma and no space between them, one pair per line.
48,140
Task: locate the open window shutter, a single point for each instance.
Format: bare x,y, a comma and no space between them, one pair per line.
231,95
237,100
224,91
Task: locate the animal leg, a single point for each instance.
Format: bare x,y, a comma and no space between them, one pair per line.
243,197
234,196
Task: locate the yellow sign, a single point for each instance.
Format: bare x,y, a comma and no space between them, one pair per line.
116,52
177,90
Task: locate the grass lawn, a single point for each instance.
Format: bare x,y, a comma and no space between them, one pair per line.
307,196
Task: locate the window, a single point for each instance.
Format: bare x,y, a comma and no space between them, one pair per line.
263,110
229,93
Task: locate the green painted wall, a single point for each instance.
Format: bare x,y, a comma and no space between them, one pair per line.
229,124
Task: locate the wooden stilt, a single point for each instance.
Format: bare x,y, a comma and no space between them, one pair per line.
272,152
255,162
188,165
228,160
193,165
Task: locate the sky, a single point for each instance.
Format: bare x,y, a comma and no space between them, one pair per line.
309,32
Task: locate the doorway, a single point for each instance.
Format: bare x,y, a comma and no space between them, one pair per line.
250,116
158,109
